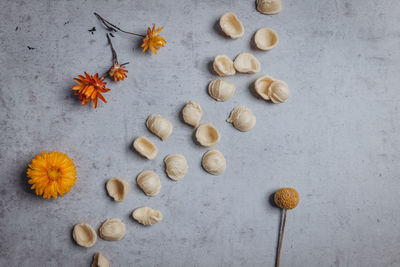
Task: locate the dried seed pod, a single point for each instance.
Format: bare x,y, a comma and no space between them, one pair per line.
117,189
149,182
262,86
145,147
223,65
231,25
214,162
192,113
112,230
242,118
84,235
207,135
100,261
246,63
266,38
147,215
287,198
176,166
221,90
269,7
278,91
159,126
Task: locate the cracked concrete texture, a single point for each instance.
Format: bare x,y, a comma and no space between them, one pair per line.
335,140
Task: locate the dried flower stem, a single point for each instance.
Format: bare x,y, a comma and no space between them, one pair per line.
114,54
281,232
112,27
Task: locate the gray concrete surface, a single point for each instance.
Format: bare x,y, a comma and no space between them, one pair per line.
336,140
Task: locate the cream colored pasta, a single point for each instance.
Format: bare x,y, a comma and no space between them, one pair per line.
246,63
242,118
192,113
221,90
159,126
266,38
84,235
269,7
214,162
207,135
231,25
147,215
117,189
112,230
145,147
223,65
149,182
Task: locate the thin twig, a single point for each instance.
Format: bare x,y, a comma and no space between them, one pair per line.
112,27
282,231
114,54
126,63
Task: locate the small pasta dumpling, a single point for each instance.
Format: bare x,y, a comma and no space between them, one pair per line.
117,189
247,63
269,7
149,182
207,135
175,166
221,90
242,118
147,216
145,147
231,25
84,235
112,230
214,162
159,126
223,65
192,113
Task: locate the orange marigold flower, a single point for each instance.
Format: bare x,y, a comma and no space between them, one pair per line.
90,88
51,174
118,72
153,40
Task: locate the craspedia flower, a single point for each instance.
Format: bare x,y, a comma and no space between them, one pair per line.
90,88
287,198
153,40
51,174
118,72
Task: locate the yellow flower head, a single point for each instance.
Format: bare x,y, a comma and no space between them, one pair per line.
153,40
51,173
118,72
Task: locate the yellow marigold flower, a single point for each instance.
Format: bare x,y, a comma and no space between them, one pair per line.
153,40
90,88
51,173
118,72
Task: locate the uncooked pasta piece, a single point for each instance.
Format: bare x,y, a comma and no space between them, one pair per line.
159,126
84,235
207,135
145,147
266,38
242,118
231,25
278,91
223,65
269,7
246,63
192,113
112,230
100,261
175,166
147,215
221,90
262,84
117,189
214,162
149,182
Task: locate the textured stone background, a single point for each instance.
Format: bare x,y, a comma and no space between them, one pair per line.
336,140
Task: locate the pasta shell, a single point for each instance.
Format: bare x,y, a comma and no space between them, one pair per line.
278,91
242,118
175,166
149,182
159,126
207,135
147,215
223,65
192,113
100,261
262,85
266,38
221,90
231,25
112,230
269,7
246,63
214,162
84,235
145,147
117,189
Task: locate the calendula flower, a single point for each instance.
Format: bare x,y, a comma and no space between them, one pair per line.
153,40
51,174
90,88
118,72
